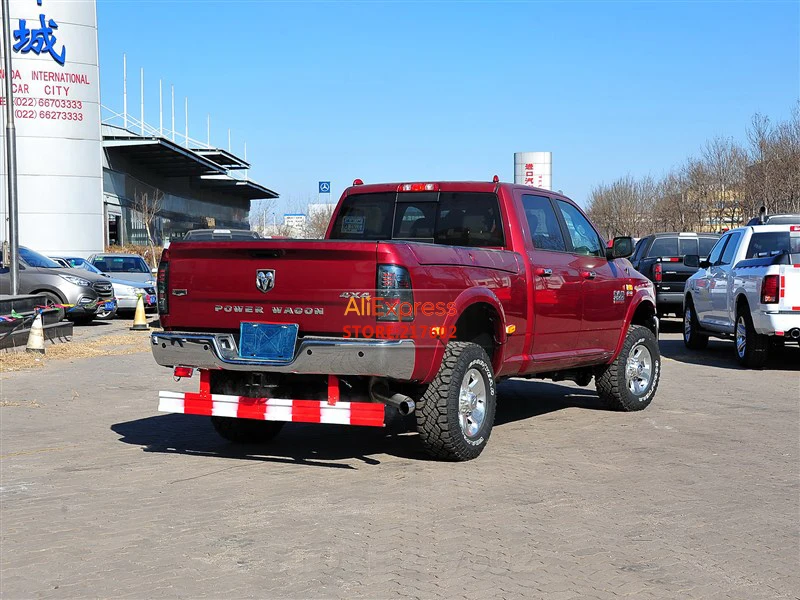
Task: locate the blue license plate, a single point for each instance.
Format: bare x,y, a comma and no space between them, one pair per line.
109,306
268,341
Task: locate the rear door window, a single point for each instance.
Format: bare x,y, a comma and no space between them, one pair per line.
664,246
542,223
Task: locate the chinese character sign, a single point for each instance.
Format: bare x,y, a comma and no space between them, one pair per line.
533,169
39,40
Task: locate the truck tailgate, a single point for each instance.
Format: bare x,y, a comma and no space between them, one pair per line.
790,286
217,285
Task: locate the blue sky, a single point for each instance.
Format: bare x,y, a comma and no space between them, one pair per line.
405,91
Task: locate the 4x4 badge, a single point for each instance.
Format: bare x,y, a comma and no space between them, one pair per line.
265,279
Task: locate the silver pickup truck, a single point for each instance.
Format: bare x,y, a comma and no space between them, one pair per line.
749,290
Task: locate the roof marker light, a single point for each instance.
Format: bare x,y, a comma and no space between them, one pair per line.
495,179
357,182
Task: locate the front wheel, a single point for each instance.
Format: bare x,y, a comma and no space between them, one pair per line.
456,413
630,382
752,349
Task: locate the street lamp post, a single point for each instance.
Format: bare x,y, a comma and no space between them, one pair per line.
11,154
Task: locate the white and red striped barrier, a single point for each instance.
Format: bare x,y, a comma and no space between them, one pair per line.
272,409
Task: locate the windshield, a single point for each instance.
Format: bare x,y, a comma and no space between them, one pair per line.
121,264
34,259
452,218
82,263
773,243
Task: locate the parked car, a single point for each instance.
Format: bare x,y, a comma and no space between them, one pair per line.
131,267
747,289
127,292
659,257
196,235
39,275
764,218
422,297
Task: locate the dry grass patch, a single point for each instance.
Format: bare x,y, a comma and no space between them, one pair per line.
110,345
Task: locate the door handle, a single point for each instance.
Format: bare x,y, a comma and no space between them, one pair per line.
588,274
544,272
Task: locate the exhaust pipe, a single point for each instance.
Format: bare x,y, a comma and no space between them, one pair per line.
794,333
379,392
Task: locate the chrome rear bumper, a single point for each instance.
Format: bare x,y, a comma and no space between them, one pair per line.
314,355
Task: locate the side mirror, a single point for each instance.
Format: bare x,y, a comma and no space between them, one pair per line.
622,247
704,264
691,260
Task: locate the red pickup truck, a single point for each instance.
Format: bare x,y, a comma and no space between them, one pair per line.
421,297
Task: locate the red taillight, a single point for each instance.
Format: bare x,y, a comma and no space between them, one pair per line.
162,284
657,272
182,372
770,289
794,228
671,259
418,187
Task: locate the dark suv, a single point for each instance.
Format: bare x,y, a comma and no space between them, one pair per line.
659,257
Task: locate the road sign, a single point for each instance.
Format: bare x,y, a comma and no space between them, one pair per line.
324,187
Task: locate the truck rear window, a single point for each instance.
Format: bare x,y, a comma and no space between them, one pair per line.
773,243
664,246
452,218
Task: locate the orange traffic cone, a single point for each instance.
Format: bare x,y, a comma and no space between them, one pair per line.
139,319
36,336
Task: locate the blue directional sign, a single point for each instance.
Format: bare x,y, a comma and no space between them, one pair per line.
324,187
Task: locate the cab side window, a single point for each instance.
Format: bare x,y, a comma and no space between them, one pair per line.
730,249
716,251
583,236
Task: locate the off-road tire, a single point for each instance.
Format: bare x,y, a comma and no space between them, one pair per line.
692,338
611,382
437,415
246,431
756,350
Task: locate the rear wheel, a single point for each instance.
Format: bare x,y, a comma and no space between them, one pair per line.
456,413
692,337
752,349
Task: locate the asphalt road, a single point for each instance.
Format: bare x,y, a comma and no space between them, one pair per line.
696,497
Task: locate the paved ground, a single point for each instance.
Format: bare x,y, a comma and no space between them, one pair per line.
697,497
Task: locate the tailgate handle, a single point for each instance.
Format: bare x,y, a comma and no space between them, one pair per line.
588,274
544,272
179,292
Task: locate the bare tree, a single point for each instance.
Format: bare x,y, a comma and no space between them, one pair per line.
148,205
725,165
262,216
318,217
773,178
